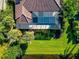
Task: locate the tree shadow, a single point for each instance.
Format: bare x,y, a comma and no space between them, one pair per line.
77,55
68,53
70,34
1,42
19,57
42,56
57,34
77,16
23,48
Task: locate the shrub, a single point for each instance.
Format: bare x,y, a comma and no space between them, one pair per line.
44,34
29,35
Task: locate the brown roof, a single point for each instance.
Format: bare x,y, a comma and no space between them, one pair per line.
18,11
25,6
41,5
22,19
21,11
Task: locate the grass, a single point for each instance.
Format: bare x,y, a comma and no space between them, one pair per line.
45,47
53,46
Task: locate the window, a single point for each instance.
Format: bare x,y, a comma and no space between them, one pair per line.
46,20
35,20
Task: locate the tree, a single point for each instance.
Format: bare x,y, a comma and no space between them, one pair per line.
76,25
76,34
29,36
76,28
8,22
2,27
68,52
2,30
69,9
2,38
6,18
14,35
12,52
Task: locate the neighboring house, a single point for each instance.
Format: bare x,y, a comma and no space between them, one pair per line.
3,4
37,14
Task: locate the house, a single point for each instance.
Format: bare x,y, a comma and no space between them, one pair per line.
3,4
37,14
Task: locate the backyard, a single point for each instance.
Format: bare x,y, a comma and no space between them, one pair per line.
53,46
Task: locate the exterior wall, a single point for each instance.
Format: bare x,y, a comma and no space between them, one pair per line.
37,26
54,24
3,4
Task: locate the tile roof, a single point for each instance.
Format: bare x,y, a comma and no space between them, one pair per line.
18,11
41,5
22,13
25,6
36,5
59,2
22,19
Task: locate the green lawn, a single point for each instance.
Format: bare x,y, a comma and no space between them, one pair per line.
46,47
53,46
